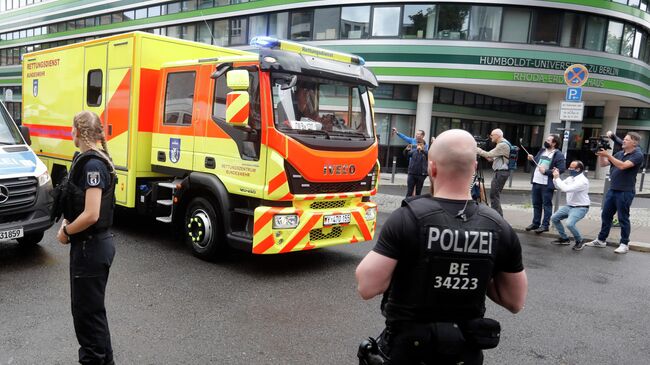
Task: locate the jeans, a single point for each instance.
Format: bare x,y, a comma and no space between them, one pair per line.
414,181
616,202
542,196
498,182
574,214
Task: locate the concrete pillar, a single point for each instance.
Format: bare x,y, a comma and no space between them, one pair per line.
552,111
610,123
423,112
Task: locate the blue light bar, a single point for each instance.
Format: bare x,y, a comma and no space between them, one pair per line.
265,42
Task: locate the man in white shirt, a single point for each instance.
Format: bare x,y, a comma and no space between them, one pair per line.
576,188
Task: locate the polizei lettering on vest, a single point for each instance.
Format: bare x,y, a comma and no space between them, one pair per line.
455,240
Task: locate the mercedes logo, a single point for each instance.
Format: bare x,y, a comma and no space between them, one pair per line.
4,194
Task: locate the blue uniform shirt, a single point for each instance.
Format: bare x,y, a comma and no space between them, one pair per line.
625,180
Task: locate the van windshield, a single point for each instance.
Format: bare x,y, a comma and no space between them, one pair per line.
320,106
9,133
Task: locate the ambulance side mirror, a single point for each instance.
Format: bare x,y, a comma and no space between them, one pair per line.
238,100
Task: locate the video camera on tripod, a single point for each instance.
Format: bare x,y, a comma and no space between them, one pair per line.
598,143
482,142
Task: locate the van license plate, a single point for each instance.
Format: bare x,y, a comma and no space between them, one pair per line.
11,234
330,220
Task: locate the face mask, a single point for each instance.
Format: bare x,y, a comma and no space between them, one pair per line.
547,145
574,173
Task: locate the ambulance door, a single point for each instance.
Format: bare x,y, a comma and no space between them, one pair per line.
95,79
173,138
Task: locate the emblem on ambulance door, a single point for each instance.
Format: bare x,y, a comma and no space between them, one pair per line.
174,149
35,87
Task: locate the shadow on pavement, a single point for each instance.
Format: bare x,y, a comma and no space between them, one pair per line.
15,257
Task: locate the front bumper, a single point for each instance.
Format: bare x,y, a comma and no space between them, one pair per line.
32,219
310,232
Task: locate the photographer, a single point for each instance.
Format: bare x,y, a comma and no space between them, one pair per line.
499,156
417,170
435,306
576,188
546,160
625,165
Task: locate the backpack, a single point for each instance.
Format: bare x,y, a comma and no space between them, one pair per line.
513,157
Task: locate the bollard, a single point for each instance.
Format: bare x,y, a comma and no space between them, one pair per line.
392,178
606,185
512,172
642,178
587,171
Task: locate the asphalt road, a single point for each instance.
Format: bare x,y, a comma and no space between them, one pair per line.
167,307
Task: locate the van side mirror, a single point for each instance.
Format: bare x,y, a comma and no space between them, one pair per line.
25,132
238,100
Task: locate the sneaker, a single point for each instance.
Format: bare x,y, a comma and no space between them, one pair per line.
541,230
579,245
622,248
596,243
561,241
531,227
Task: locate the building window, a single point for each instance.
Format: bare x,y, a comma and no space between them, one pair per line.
383,21
640,40
614,37
573,30
189,5
453,21
188,32
516,22
205,4
221,32
596,32
257,26
485,23
94,87
174,8
326,23
278,25
179,95
355,22
419,21
141,13
546,26
628,40
238,28
384,91
205,33
154,11
174,31
128,15
103,20
301,25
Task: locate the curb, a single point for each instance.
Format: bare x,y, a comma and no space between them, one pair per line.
634,246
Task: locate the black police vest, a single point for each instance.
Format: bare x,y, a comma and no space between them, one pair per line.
76,197
456,258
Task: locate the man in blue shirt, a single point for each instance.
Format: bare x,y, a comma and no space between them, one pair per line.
416,151
625,165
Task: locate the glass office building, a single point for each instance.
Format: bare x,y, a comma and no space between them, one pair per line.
441,64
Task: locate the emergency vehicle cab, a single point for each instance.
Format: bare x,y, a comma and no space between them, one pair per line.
271,152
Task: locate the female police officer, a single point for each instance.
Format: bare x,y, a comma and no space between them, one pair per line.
88,213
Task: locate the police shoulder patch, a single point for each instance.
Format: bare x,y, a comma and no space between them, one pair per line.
93,178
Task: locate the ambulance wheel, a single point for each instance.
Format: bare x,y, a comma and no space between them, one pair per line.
30,240
203,230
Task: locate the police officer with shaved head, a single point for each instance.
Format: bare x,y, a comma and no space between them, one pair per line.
436,259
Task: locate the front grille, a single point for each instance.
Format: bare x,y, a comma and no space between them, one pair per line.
328,204
21,193
317,233
299,185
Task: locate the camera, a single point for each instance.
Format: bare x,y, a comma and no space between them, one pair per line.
482,142
599,143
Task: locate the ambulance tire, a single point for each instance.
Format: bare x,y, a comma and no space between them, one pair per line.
30,240
203,231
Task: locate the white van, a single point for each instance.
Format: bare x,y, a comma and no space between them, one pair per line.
25,186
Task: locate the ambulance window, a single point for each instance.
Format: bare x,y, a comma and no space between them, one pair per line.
179,95
94,94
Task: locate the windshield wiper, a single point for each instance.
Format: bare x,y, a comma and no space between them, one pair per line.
348,134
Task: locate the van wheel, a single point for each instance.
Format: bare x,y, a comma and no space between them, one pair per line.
203,231
30,240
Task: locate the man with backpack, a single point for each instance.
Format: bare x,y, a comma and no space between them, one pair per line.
500,157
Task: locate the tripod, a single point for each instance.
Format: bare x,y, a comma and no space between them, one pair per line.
478,184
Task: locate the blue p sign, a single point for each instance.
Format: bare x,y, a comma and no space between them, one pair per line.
574,94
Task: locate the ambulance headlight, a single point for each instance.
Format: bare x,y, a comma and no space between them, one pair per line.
285,221
43,179
371,214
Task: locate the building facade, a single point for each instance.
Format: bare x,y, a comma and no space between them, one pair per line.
474,65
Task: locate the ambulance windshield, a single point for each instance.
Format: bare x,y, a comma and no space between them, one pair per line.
9,134
332,109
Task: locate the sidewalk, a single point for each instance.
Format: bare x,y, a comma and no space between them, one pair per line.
520,215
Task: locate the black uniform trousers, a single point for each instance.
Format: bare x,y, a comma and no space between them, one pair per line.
416,348
90,260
